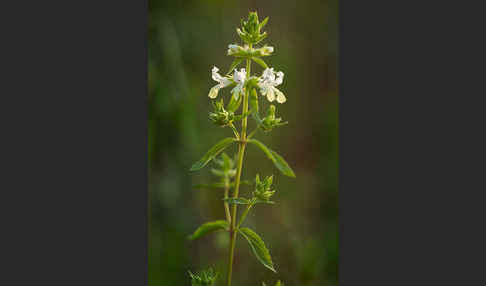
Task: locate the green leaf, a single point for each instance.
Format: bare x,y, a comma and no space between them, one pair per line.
209,227
252,82
277,160
260,62
260,38
258,201
234,64
257,119
262,24
282,165
237,201
213,152
258,247
234,103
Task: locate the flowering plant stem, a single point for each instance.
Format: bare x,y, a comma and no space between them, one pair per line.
226,206
245,90
241,153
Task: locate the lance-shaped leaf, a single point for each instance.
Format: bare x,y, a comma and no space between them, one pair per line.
258,201
234,103
237,201
277,160
258,247
213,152
263,22
260,62
209,227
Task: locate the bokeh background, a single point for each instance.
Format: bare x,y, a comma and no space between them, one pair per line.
185,40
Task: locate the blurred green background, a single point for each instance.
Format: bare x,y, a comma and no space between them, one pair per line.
185,40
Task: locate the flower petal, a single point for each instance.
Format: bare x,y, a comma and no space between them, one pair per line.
239,76
213,92
270,94
279,79
280,96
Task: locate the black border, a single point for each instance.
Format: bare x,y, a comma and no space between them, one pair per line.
410,126
77,163
409,122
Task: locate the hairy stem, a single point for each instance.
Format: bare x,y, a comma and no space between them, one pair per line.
226,206
241,153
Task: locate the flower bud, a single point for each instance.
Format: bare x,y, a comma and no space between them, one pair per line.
238,51
250,29
252,23
220,116
263,51
269,122
233,48
262,189
205,278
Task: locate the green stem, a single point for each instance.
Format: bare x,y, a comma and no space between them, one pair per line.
226,206
241,153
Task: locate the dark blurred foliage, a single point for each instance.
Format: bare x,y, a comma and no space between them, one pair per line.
186,38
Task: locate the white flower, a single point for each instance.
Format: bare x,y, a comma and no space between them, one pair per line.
239,78
233,49
268,82
266,50
222,82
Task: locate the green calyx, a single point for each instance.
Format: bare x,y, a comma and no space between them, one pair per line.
250,31
262,190
247,52
204,278
220,116
270,121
